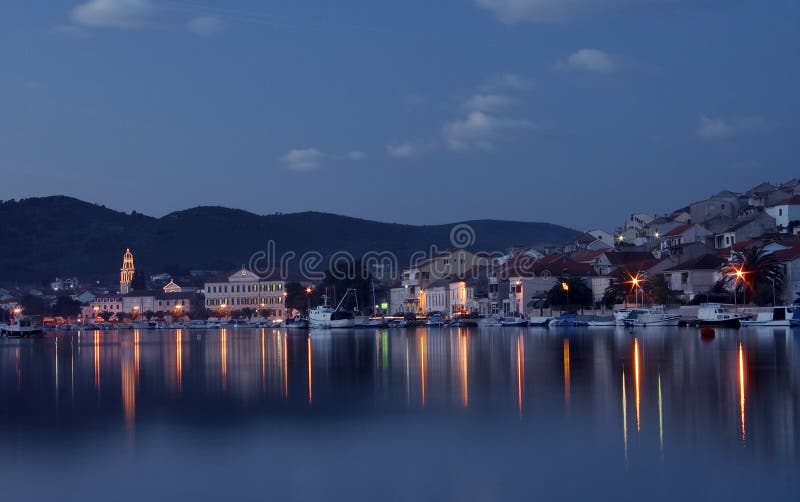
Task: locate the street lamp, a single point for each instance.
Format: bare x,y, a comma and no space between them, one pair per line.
308,299
773,289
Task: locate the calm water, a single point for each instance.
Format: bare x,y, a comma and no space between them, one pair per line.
441,414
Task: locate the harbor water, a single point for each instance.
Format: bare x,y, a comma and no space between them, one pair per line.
418,414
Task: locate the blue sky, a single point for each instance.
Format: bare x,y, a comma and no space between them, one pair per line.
574,112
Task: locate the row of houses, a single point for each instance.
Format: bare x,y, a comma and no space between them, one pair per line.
689,247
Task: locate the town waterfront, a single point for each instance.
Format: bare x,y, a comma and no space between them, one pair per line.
418,414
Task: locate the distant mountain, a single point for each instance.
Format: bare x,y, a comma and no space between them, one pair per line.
44,237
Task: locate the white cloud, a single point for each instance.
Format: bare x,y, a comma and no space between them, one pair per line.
591,60
721,129
480,130
488,103
402,150
356,155
514,11
508,81
115,13
303,159
204,25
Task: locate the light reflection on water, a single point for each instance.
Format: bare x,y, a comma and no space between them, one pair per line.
733,400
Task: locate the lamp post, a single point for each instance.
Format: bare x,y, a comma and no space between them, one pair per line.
285,308
308,299
773,289
565,287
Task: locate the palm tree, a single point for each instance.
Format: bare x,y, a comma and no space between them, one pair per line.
757,271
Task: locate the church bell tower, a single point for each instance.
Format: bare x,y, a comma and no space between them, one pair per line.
126,273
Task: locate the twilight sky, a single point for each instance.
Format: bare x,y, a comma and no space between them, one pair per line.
575,112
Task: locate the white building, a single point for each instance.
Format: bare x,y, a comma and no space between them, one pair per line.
245,289
785,212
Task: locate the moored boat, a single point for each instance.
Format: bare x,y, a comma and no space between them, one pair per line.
515,319
327,317
22,325
716,314
650,317
786,316
435,320
297,322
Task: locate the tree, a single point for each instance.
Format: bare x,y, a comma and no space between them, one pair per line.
33,305
66,307
139,282
662,293
756,273
296,297
577,293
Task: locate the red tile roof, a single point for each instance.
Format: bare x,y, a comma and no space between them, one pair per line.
790,254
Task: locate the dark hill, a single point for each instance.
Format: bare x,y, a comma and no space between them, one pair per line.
45,237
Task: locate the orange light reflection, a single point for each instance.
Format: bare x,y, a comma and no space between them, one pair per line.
520,371
636,380
741,389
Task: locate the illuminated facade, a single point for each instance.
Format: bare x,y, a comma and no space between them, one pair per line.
245,289
126,273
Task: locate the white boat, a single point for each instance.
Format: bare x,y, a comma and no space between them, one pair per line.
197,324
787,316
602,322
621,314
144,324
22,325
716,314
327,317
651,317
515,319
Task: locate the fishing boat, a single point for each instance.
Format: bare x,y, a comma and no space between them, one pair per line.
23,325
650,317
787,316
715,314
327,317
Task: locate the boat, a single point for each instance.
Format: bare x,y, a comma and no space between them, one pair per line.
716,314
361,321
489,321
650,317
23,325
570,319
377,322
327,317
197,324
144,324
398,323
515,319
540,321
786,316
601,321
435,320
621,314
297,322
